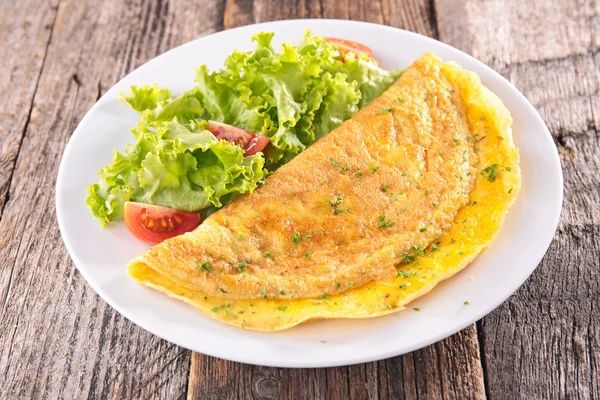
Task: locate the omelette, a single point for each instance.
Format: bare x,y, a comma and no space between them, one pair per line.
396,199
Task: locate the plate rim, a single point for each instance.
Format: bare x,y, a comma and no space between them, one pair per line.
392,351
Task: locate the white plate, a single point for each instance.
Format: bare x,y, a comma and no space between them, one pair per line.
102,254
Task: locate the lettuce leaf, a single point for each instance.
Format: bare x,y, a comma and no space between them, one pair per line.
295,97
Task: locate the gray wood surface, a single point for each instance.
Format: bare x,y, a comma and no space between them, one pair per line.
58,339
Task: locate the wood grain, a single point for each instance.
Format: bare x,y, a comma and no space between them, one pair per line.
544,342
58,339
25,29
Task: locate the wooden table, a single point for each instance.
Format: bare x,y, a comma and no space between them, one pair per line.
58,339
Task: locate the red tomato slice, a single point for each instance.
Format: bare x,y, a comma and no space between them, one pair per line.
346,46
155,223
252,143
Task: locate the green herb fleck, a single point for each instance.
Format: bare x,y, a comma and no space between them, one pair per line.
510,190
466,303
350,284
388,306
373,168
223,290
403,286
335,163
416,309
384,187
307,255
456,141
267,254
418,250
283,308
389,109
385,222
490,172
296,237
407,258
263,292
204,267
423,229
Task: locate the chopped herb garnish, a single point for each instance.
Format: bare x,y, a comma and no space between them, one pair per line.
418,250
204,267
426,192
407,257
405,274
466,303
296,237
456,141
400,100
350,284
389,109
345,168
387,306
357,174
510,190
416,309
324,296
283,293
403,286
490,172
337,285
507,168
267,254
263,292
283,308
384,187
337,164
385,222
423,229
240,237
223,290
242,265
308,254
452,240
216,309
340,211
434,247
373,168
335,203
474,203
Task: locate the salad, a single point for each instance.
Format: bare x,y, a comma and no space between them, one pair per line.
197,152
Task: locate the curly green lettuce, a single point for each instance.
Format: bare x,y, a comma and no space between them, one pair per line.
294,97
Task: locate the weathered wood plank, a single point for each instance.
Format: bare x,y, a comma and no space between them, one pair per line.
25,29
58,339
449,369
543,342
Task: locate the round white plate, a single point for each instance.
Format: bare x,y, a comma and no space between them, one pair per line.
101,254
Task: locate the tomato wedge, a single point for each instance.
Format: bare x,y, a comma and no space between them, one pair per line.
154,224
346,46
252,143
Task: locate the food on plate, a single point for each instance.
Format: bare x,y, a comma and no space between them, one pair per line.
373,215
198,151
154,224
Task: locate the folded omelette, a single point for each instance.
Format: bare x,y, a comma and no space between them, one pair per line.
398,198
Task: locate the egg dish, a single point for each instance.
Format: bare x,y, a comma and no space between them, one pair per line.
372,216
